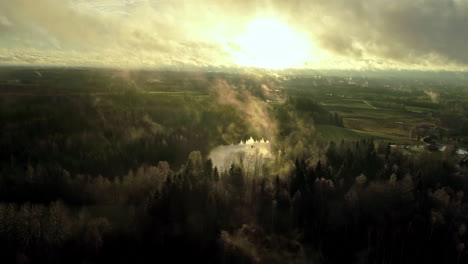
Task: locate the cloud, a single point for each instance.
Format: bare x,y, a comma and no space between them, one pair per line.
426,34
422,32
144,37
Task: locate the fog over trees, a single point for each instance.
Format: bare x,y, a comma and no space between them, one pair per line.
126,176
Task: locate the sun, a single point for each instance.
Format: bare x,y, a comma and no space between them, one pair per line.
269,43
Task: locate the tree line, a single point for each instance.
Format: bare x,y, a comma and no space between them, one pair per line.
363,199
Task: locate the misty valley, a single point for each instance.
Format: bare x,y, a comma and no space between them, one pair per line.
131,166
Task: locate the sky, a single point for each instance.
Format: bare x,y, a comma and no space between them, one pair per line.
278,34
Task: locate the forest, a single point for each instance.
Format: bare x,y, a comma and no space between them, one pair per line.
114,166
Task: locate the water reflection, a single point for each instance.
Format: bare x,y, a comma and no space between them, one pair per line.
251,154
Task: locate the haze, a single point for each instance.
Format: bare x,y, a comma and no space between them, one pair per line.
234,131
351,34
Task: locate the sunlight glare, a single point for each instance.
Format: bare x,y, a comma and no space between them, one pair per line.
269,43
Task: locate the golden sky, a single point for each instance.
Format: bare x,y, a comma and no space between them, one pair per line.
320,34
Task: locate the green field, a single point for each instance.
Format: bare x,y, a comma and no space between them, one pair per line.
336,134
346,103
361,120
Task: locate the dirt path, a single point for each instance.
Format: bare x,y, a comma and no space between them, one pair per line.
373,107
